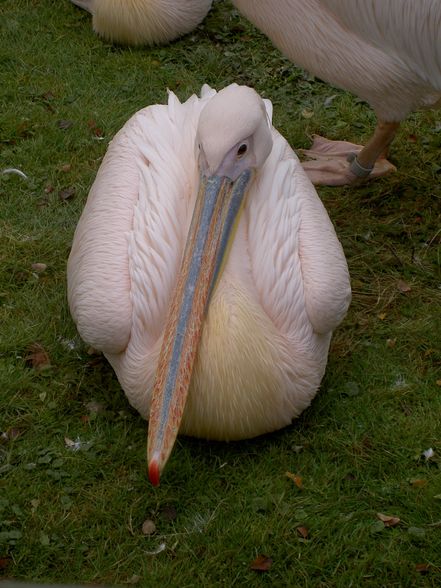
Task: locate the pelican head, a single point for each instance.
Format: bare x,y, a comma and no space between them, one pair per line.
234,139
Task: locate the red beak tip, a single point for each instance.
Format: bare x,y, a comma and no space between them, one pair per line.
154,473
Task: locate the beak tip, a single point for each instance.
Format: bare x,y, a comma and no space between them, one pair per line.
154,472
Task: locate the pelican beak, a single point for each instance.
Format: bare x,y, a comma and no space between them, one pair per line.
216,211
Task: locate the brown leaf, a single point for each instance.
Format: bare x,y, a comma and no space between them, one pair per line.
403,286
94,128
303,532
168,512
262,563
295,478
67,193
39,267
382,316
4,562
66,168
438,382
389,521
391,343
48,189
148,527
417,483
37,357
422,568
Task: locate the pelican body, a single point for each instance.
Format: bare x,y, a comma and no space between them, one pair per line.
206,269
144,22
387,52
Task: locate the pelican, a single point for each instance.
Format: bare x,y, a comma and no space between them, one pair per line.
144,22
387,52
206,269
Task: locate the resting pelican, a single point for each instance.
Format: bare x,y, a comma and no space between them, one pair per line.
233,303
144,22
387,52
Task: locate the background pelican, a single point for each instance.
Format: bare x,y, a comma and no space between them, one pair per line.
386,52
279,287
139,22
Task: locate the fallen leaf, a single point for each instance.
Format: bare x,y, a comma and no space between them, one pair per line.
417,483
307,113
438,382
39,267
295,478
403,286
351,389
303,532
4,562
85,419
37,357
148,527
328,101
389,521
66,168
262,563
67,193
416,532
391,343
95,407
64,124
94,128
168,512
382,316
48,189
422,568
160,548
428,453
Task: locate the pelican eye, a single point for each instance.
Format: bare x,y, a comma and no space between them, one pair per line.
242,150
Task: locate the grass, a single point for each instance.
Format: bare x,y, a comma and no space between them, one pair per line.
76,516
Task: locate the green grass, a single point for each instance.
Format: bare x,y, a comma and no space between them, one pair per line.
70,516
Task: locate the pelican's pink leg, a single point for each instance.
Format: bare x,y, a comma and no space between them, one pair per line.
328,160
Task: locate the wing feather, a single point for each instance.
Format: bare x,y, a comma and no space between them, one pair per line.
298,264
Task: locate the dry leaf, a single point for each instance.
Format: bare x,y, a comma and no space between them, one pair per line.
4,562
422,568
39,267
295,478
307,113
168,512
303,532
389,521
37,357
65,124
262,563
66,167
391,343
403,286
148,527
67,193
438,382
416,483
382,316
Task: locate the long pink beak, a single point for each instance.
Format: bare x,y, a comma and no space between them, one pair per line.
217,206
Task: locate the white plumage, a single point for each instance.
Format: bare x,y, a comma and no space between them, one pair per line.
144,22
283,290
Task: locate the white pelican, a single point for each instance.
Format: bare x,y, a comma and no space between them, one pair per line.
144,22
143,267
387,52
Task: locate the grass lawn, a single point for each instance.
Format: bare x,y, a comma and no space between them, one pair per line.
74,492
